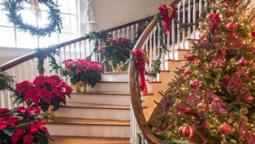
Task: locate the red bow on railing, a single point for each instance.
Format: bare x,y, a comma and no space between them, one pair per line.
141,59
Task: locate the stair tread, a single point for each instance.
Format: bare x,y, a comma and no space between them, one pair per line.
88,140
122,72
104,93
97,106
126,82
82,121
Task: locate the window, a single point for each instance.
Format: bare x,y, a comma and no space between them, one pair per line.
15,38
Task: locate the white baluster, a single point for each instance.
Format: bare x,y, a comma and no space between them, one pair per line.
178,26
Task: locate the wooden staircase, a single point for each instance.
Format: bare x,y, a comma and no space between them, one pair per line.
100,116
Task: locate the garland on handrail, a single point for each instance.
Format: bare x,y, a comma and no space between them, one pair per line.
164,19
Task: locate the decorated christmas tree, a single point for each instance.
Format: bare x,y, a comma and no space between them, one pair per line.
211,99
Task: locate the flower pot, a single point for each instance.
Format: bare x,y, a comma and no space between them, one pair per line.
50,113
80,87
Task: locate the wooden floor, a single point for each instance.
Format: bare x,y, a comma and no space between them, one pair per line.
82,140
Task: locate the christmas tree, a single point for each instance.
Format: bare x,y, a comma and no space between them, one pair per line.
211,99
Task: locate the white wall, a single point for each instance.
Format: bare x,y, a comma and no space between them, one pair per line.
110,13
7,54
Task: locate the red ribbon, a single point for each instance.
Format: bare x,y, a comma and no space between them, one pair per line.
167,13
140,64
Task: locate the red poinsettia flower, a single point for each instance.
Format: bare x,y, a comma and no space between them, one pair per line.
45,90
28,139
17,135
3,110
23,86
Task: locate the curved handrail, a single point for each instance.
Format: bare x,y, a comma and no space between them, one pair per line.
32,55
135,98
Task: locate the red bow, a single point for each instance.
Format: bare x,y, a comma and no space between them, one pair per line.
167,13
140,64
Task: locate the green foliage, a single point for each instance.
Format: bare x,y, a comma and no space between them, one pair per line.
116,51
13,8
42,55
90,77
5,81
97,38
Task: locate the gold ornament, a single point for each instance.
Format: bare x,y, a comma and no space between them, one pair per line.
243,118
236,125
253,116
244,111
232,141
214,132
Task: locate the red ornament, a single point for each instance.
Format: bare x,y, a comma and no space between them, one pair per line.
186,131
231,26
249,99
195,84
224,51
243,62
225,128
253,34
206,125
201,107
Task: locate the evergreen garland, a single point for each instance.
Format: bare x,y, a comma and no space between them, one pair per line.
5,81
13,8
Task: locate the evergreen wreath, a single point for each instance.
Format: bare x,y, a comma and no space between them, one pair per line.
55,22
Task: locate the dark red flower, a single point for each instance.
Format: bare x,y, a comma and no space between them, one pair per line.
28,139
3,110
23,86
253,34
17,135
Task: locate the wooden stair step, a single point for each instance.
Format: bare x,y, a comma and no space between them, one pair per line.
101,98
103,93
94,111
89,140
81,127
96,106
82,121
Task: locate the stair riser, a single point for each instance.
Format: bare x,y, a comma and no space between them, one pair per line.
110,87
123,77
90,113
101,99
89,130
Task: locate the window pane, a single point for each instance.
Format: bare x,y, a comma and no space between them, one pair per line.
48,41
3,19
25,40
65,37
69,24
7,37
67,7
28,16
43,20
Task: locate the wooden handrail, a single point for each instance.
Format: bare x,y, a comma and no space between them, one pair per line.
134,93
135,97
32,55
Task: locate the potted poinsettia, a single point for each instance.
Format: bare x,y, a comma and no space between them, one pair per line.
22,126
116,53
46,92
82,72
